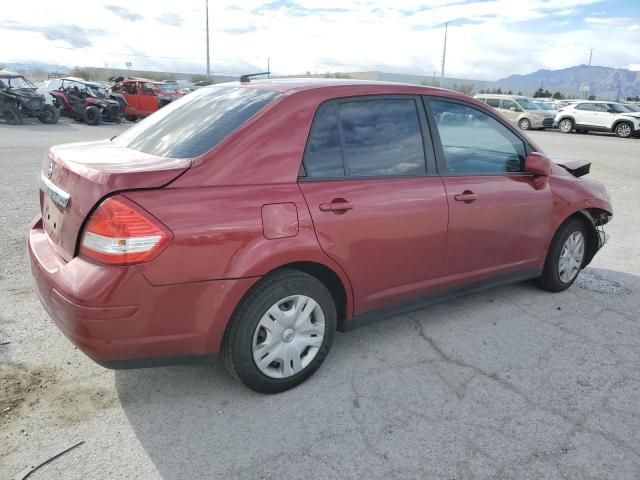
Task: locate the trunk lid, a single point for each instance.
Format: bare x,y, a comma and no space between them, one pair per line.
76,176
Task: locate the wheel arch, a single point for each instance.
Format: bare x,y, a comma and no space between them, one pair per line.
622,120
593,219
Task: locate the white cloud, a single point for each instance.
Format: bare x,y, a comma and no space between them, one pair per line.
487,40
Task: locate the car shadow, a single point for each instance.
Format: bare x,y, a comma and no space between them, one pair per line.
366,411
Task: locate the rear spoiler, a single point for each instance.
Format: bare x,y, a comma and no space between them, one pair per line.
577,168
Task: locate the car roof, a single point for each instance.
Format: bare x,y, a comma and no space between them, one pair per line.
283,85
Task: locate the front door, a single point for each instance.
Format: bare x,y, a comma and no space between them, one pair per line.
378,208
148,97
130,92
511,110
499,218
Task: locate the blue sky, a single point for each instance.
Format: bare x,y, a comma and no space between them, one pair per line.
488,39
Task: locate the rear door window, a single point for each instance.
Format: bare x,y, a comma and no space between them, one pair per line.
366,138
494,102
195,123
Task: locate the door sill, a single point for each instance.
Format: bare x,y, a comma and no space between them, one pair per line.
438,297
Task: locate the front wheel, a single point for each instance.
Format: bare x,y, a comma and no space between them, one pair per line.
92,115
524,124
49,114
565,125
624,130
281,332
566,256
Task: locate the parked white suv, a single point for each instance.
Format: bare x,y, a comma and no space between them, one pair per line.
594,116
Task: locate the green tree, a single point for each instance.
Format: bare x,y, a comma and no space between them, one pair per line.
591,97
559,96
198,78
80,73
466,88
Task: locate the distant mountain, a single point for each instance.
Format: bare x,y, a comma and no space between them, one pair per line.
30,66
604,82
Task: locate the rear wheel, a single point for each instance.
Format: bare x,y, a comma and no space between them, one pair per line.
130,118
281,332
92,115
565,257
624,130
524,124
49,114
12,115
566,125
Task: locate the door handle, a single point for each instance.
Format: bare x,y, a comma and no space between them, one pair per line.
337,205
467,196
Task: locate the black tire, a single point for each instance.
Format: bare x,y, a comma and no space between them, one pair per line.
624,130
49,114
92,115
237,344
12,115
131,118
550,279
524,124
566,125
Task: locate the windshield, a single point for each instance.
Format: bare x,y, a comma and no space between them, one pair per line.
617,108
97,91
631,108
195,123
166,88
527,104
544,106
17,82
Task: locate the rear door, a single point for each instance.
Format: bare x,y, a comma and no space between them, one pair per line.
130,92
148,97
378,206
499,218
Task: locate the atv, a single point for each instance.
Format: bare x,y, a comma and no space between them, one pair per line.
19,98
86,102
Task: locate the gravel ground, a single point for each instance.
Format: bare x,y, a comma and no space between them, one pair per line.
510,383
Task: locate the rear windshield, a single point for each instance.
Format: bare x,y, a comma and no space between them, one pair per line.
195,123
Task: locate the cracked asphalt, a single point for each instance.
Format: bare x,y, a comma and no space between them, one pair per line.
510,383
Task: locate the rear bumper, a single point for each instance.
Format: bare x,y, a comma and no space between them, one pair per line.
113,314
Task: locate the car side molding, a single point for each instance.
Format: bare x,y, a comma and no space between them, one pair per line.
438,297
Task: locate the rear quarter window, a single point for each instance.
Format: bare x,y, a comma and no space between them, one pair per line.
195,123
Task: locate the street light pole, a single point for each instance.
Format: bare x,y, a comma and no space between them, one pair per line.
207,22
444,54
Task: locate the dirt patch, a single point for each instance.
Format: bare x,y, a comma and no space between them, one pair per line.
18,384
41,391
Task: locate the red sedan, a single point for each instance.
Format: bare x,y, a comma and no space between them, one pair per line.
255,219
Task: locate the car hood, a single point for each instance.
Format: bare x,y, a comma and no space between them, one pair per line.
544,113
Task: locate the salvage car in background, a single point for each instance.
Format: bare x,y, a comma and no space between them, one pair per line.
20,98
519,110
86,102
254,219
597,116
144,96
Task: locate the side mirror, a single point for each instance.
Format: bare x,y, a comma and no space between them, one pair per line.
513,109
537,164
611,110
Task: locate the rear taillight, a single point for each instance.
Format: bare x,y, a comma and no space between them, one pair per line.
121,233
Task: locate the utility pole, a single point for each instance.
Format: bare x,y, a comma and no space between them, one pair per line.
444,54
207,21
586,93
269,67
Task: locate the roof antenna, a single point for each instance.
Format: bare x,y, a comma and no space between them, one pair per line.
247,78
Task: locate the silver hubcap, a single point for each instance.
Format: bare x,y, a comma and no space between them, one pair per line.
288,336
571,257
624,130
565,126
524,124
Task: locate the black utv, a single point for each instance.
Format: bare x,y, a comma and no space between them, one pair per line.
19,98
